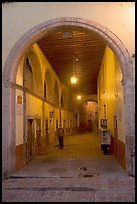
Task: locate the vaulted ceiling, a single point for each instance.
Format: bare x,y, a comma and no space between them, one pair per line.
62,48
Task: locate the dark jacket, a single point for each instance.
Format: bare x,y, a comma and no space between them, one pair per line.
60,132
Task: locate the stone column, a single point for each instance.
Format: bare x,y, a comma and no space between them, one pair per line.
129,120
8,131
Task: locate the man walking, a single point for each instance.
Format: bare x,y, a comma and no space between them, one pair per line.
60,136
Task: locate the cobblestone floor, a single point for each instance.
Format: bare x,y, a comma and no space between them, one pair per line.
78,173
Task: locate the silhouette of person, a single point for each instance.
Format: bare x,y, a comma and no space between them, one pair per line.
61,136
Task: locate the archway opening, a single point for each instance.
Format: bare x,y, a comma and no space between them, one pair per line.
88,114
13,60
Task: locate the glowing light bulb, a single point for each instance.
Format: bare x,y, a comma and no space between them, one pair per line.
79,97
73,80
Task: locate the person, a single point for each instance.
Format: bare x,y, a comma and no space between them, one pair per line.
61,136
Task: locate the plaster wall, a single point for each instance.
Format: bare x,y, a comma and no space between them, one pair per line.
19,118
33,105
119,98
111,93
88,111
19,17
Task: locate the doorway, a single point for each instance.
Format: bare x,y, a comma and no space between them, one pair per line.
89,125
30,140
38,136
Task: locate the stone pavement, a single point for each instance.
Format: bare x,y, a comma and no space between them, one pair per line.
78,173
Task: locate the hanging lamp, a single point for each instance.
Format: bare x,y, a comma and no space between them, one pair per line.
73,78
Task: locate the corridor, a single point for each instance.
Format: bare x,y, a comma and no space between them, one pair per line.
78,173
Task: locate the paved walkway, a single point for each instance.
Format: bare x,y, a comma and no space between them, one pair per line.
78,173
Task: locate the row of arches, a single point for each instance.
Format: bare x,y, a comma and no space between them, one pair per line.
43,82
42,104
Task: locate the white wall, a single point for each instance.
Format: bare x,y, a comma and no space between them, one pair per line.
19,17
19,119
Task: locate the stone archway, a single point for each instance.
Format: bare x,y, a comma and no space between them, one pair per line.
9,76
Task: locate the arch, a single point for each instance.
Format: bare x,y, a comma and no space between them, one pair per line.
42,29
88,112
64,101
36,69
28,76
56,94
71,101
49,86
25,73
45,89
23,45
88,98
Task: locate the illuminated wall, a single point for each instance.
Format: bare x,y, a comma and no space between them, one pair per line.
110,92
88,113
111,100
120,24
49,105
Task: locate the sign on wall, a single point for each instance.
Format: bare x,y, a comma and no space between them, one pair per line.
19,105
103,123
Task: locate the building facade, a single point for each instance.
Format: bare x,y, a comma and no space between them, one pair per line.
35,101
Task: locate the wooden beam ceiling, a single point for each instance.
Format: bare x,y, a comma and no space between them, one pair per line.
62,47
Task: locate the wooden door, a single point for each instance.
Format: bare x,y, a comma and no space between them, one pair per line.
38,131
89,125
30,140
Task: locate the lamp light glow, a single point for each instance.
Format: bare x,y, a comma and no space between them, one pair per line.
73,80
78,97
